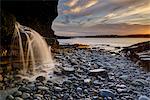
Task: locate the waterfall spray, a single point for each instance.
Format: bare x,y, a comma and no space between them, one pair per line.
34,53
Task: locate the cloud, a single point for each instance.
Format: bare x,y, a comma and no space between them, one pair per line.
88,13
103,29
77,6
90,3
71,3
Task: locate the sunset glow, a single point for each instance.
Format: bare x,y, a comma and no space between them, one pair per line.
71,3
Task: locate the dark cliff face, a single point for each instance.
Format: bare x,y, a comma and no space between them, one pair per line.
38,15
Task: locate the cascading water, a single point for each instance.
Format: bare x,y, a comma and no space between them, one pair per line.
34,54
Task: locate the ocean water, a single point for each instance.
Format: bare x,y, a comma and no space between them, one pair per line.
104,43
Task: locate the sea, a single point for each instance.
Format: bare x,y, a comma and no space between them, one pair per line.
103,43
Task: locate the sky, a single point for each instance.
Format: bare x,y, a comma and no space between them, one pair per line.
102,17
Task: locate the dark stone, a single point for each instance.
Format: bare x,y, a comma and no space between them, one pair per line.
17,93
43,88
40,78
25,95
65,96
143,97
67,70
73,62
57,72
139,47
32,86
95,98
38,96
100,72
79,90
96,83
24,89
9,97
58,89
139,82
87,81
107,93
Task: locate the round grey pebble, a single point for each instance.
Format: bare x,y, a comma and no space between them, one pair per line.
17,93
9,97
25,95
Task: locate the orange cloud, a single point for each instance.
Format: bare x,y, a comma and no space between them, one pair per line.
79,8
71,3
90,3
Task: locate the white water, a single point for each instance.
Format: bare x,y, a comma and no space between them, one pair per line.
34,53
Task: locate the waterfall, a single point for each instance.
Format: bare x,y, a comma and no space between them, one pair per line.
32,52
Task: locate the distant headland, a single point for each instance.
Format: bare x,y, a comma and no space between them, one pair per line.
107,36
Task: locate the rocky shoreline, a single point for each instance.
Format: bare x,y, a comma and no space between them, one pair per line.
87,74
139,53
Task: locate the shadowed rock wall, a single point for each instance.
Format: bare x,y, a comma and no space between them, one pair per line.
38,15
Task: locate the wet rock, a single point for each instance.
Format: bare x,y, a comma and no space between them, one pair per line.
9,97
96,83
17,93
79,76
24,89
124,77
25,81
79,90
43,88
99,64
87,81
95,98
119,90
85,91
66,96
58,89
38,95
32,86
71,77
139,82
25,95
143,97
121,86
106,93
58,72
17,77
118,47
73,62
100,72
18,98
37,98
67,82
68,70
41,78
